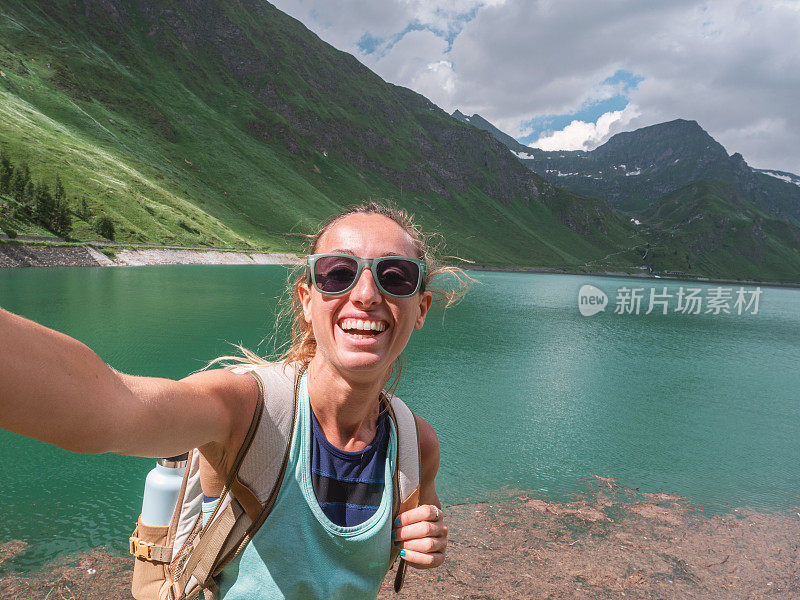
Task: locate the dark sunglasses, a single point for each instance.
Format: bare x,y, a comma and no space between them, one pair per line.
396,276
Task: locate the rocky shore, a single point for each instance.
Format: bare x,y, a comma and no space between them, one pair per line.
29,255
34,255
609,542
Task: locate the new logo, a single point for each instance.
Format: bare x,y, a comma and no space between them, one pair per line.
591,300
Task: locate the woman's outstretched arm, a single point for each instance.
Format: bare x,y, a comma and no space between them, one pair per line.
56,389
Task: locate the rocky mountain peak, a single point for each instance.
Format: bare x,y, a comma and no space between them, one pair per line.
737,160
655,144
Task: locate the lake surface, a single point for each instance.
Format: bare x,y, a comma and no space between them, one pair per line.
522,390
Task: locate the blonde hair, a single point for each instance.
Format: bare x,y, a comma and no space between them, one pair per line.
303,346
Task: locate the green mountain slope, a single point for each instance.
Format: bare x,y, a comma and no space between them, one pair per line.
709,227
230,124
702,212
635,168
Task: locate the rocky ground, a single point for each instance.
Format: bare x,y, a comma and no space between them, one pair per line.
29,255
612,543
609,542
32,255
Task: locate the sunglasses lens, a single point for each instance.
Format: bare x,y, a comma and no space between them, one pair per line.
334,274
398,277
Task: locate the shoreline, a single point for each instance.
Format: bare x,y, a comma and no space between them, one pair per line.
32,255
28,254
610,541
622,274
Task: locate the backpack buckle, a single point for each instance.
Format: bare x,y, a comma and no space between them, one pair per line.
140,549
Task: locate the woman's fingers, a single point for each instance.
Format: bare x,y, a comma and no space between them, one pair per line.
422,536
425,512
427,545
421,529
423,559
420,522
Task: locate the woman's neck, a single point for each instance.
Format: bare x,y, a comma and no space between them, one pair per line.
346,410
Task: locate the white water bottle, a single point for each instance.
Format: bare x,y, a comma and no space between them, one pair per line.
161,489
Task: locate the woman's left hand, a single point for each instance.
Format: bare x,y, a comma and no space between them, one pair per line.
421,535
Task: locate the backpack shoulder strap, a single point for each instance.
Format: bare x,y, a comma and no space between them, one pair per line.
408,456
252,485
264,466
407,474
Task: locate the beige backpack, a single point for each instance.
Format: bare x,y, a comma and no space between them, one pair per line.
177,561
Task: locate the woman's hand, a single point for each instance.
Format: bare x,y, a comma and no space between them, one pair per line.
420,532
422,536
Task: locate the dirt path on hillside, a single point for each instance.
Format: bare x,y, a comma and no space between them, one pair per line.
610,542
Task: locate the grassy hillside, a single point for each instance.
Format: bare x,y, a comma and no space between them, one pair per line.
709,228
703,212
635,168
230,124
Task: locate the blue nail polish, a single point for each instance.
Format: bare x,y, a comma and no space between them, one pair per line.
397,521
394,534
402,552
396,542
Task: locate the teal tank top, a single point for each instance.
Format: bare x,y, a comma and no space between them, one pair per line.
298,553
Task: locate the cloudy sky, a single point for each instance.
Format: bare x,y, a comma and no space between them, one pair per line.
564,74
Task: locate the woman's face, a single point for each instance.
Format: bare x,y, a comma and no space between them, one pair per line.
333,318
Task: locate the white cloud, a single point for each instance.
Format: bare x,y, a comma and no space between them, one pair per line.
418,60
580,135
731,65
343,23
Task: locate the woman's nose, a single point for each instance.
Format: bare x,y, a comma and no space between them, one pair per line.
366,292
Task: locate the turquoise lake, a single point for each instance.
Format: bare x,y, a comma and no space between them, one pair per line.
522,390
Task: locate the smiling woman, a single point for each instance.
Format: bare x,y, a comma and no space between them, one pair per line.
351,227
339,509
374,235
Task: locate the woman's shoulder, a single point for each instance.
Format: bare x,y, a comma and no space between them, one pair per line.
225,383
236,394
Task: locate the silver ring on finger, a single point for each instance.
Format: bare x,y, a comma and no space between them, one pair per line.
436,518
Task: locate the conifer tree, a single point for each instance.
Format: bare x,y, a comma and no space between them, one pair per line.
28,196
104,226
60,220
84,210
44,205
59,194
6,173
19,183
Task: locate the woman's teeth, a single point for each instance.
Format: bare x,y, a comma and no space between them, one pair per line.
361,328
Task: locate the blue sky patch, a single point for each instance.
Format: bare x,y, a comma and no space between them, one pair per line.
368,44
624,81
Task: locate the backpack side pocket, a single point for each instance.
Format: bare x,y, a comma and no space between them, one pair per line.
148,545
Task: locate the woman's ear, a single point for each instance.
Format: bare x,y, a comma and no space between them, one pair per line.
305,300
425,301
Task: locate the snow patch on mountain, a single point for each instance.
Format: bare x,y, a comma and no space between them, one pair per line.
787,177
